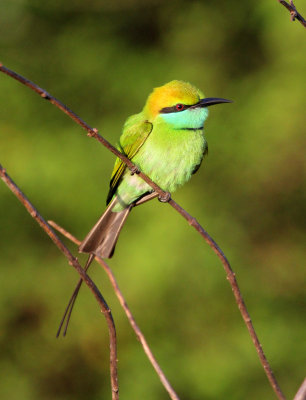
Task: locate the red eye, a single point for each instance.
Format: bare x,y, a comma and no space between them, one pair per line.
180,107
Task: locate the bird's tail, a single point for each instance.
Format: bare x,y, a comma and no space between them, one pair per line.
101,241
102,238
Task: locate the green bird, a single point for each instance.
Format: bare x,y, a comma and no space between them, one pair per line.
165,141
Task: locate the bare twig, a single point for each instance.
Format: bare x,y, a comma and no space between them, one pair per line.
192,221
294,14
230,275
301,394
74,262
127,311
91,132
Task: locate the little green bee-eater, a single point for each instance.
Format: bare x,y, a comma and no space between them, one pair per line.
165,141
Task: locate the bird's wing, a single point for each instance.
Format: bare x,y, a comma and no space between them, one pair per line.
131,140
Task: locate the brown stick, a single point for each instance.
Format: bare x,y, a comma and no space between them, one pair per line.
74,262
294,14
127,311
91,132
230,275
192,221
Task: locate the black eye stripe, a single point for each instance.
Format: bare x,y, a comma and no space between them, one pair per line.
166,110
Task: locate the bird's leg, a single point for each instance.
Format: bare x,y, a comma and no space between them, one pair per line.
165,197
134,170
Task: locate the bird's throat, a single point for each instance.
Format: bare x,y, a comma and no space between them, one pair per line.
190,119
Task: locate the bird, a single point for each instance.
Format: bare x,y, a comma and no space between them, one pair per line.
166,142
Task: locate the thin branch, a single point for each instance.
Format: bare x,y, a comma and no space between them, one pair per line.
192,221
127,311
230,275
301,393
74,262
91,132
294,14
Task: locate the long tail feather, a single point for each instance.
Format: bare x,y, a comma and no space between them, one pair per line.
101,241
69,308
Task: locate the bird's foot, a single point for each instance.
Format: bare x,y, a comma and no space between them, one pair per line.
164,198
134,170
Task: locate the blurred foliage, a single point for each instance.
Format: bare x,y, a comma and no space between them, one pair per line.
102,58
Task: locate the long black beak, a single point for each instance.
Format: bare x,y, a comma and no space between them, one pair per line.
210,101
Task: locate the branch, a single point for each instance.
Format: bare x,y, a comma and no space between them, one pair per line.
127,311
294,14
74,262
92,132
230,275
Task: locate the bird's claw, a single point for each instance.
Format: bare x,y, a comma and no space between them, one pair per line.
134,170
164,198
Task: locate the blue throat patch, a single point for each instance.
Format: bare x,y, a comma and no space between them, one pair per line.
190,119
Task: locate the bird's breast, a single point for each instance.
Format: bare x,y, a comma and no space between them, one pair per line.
169,160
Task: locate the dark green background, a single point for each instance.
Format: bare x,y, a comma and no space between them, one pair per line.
102,58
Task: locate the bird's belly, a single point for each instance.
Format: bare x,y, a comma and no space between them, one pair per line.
169,165
168,170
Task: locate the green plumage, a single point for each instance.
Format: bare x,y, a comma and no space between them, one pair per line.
135,132
168,156
165,141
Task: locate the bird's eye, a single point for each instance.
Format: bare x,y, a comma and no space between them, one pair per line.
180,107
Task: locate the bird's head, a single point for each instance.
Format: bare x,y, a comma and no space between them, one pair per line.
179,104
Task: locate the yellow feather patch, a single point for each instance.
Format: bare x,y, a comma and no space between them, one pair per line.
170,94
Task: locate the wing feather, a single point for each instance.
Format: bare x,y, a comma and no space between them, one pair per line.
133,137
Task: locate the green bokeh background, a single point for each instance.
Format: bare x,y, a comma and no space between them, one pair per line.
102,59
